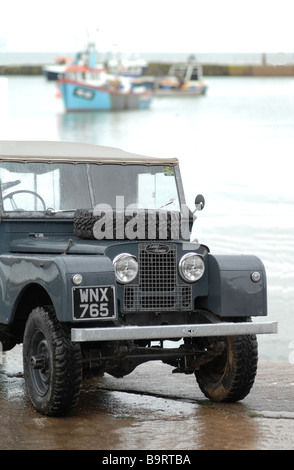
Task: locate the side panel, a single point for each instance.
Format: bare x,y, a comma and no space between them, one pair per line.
18,272
54,274
232,292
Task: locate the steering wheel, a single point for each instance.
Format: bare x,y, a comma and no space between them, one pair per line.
14,206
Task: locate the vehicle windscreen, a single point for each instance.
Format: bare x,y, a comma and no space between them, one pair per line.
37,187
146,187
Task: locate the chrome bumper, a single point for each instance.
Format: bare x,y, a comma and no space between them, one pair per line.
171,331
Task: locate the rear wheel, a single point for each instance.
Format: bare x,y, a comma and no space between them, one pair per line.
230,377
52,363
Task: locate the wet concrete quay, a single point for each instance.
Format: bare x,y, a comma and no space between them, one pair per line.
151,409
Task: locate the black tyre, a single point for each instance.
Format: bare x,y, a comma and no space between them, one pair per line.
52,363
230,377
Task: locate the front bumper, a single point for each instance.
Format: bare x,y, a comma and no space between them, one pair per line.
172,331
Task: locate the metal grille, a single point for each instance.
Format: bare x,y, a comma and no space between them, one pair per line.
158,270
157,289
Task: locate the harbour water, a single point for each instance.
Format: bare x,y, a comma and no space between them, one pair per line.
235,146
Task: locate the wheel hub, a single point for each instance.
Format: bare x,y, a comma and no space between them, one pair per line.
40,361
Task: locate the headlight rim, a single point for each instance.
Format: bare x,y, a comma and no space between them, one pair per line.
118,258
181,269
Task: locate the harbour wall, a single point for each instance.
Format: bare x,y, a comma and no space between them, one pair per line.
231,70
159,69
250,70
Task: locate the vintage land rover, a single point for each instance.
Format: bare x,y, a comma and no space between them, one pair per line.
98,274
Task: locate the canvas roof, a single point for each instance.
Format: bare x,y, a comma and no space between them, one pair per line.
69,152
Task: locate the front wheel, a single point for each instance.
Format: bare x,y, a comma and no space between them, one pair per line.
52,363
230,377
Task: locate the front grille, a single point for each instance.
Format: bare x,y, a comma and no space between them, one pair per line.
158,270
157,289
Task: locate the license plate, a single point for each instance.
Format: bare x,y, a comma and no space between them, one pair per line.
93,303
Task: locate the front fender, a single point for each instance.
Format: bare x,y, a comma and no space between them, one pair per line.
231,290
95,271
54,275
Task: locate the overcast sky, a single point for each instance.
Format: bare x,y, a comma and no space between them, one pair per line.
149,26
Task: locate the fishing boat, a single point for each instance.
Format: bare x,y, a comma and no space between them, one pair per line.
57,70
182,79
85,88
54,71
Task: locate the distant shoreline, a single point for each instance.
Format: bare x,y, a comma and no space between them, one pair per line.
159,69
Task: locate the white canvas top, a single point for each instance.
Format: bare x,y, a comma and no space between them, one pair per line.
69,152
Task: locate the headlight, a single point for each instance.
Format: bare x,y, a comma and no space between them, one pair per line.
191,267
126,268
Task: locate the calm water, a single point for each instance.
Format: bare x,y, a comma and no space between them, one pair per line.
236,146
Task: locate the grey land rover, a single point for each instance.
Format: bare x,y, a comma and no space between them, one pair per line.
98,274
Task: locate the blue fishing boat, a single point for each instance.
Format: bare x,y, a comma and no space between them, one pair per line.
93,89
